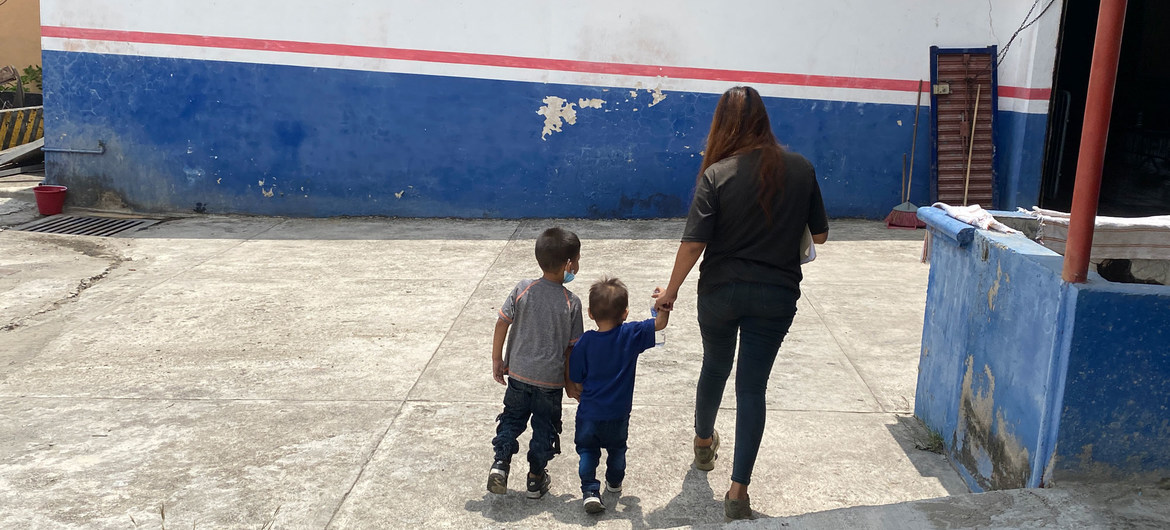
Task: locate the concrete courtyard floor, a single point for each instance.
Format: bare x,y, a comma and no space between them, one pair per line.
249,372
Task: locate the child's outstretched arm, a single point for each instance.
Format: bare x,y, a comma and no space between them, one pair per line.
498,368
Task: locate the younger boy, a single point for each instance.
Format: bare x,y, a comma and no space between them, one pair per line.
603,363
545,321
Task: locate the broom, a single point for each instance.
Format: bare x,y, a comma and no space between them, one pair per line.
905,215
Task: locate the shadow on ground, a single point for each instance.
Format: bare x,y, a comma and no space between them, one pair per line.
695,503
926,452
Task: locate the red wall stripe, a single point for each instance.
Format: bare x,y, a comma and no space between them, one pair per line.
1020,92
509,61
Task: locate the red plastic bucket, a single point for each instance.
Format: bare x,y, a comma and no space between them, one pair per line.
50,199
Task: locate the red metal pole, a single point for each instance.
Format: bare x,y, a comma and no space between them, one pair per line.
1094,134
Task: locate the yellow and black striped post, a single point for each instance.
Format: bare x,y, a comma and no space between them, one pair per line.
21,126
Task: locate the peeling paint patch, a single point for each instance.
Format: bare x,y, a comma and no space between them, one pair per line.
594,103
399,194
657,94
268,192
634,94
555,111
260,183
193,174
218,180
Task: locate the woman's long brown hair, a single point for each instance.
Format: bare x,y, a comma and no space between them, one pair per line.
740,126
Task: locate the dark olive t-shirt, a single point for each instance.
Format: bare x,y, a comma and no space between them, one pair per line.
742,246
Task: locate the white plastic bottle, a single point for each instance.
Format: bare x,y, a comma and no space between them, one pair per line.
659,336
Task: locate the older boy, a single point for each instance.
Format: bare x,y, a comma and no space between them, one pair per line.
545,321
604,362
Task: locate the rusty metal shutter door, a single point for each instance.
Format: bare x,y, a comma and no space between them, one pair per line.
958,77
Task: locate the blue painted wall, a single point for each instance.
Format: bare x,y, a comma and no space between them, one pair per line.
1115,419
1029,379
338,142
985,366
1020,161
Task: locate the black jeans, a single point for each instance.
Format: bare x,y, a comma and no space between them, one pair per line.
521,402
593,436
761,314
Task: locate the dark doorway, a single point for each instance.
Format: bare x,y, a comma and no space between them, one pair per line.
1136,177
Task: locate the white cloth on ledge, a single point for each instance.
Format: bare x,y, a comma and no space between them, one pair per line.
975,216
1133,238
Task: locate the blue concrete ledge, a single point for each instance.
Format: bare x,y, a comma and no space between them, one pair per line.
946,225
1031,380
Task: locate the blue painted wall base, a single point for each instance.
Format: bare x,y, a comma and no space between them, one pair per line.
294,141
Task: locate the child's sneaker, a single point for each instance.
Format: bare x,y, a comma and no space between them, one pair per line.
613,488
593,503
538,486
705,456
498,477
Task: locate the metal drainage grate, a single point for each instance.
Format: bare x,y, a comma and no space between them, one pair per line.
85,226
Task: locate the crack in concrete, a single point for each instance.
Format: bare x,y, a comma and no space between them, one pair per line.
852,363
86,248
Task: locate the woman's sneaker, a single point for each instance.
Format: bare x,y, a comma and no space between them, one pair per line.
538,486
735,509
593,503
705,456
498,477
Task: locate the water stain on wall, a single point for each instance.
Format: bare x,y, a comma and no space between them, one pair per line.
994,291
996,460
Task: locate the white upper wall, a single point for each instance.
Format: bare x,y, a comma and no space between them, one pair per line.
849,38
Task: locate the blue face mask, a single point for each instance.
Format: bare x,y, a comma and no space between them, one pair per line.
569,276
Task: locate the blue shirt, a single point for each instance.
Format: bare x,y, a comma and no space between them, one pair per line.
604,363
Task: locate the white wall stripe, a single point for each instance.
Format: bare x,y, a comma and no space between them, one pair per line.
642,83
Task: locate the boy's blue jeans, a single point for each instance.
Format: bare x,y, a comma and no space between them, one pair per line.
523,401
761,315
593,436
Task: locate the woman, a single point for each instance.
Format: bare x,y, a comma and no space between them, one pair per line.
752,203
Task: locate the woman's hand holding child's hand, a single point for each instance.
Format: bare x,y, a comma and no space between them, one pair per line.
663,301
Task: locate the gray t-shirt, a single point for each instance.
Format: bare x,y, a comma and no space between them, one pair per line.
545,321
742,246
